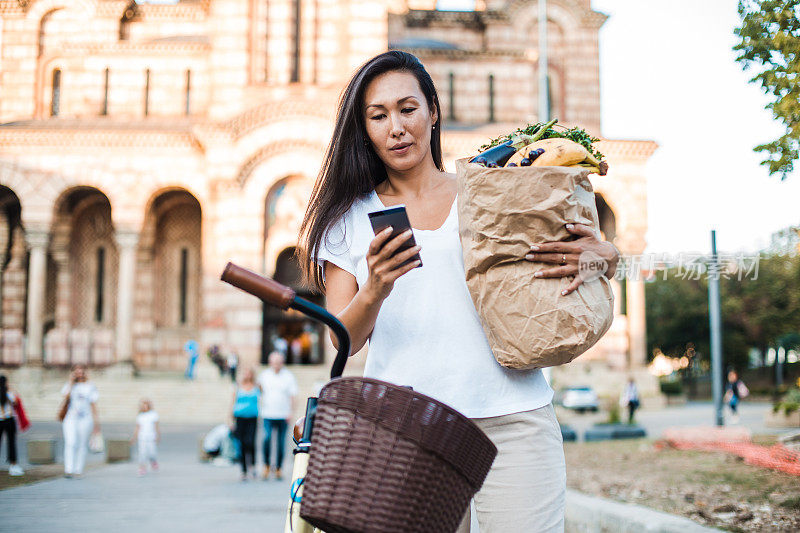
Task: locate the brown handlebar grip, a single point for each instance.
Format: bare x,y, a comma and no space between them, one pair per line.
267,289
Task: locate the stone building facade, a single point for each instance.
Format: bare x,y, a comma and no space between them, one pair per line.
144,145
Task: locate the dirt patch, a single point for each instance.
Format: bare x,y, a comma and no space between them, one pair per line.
715,489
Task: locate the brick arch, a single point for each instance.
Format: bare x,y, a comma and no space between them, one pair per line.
275,148
270,112
39,191
40,8
566,13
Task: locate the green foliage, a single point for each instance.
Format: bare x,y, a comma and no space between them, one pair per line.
791,503
576,134
789,403
761,313
671,388
770,44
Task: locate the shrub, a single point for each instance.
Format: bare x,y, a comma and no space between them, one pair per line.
789,403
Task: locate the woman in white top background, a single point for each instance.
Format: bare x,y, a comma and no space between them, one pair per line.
81,420
421,324
8,426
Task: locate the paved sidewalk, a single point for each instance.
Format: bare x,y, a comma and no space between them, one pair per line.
185,495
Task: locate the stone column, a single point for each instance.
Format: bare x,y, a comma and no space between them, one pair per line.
637,334
126,241
37,280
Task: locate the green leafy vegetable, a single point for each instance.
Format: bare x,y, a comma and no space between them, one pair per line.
576,134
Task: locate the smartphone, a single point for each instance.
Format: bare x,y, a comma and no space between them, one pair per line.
397,218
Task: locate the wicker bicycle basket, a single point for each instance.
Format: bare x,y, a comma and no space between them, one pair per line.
387,459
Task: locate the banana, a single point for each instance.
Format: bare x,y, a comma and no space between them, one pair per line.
600,169
559,152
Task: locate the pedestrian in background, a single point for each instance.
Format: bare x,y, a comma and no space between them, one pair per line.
191,348
233,364
279,390
147,434
8,426
630,399
245,414
735,390
80,421
218,360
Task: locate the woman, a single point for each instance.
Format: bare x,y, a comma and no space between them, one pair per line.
245,414
80,421
8,425
421,323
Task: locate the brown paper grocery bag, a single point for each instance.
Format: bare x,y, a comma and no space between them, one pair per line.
501,213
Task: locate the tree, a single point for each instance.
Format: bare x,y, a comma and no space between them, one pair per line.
756,313
770,44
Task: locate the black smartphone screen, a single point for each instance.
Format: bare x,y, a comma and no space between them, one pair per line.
397,218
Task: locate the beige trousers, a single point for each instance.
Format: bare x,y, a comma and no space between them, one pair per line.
526,486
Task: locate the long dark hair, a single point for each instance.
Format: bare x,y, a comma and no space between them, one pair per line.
351,167
3,391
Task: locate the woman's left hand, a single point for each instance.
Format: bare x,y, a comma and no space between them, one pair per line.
567,254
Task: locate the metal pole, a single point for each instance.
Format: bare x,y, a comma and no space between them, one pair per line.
544,104
716,330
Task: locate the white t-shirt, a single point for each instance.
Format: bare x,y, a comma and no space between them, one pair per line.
428,334
276,393
7,410
81,398
146,422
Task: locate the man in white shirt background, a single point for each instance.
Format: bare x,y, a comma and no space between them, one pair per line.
278,393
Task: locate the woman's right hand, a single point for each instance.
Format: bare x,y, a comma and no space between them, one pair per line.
384,265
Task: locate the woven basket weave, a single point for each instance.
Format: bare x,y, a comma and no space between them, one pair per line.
387,459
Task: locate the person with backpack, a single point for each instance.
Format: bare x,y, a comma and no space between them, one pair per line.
735,390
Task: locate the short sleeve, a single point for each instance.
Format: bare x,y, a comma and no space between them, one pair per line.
65,389
335,246
155,417
93,394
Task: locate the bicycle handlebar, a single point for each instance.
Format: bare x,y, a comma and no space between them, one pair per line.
271,292
268,290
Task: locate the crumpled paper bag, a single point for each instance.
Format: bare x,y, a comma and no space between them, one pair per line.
501,213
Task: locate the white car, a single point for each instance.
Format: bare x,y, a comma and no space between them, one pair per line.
579,399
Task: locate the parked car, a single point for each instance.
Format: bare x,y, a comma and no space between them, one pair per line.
579,399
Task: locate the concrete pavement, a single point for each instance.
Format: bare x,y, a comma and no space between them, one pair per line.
185,495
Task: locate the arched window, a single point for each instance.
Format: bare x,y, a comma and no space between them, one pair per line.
296,11
55,97
451,91
147,92
187,103
491,97
106,77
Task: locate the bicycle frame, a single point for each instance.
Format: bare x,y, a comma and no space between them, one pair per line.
273,293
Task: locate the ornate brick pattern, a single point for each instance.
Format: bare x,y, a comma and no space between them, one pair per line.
186,156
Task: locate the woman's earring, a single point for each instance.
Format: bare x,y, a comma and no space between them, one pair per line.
434,127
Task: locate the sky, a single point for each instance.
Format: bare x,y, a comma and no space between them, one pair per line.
668,74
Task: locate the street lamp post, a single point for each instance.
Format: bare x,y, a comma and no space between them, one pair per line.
544,104
716,330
